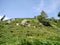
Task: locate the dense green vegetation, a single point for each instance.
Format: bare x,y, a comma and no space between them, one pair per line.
41,34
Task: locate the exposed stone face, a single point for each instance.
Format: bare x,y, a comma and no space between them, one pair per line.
13,19
35,26
8,21
17,24
24,22
29,25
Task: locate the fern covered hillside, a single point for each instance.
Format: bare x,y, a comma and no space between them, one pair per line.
39,30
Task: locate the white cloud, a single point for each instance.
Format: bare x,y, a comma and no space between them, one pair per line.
48,6
4,18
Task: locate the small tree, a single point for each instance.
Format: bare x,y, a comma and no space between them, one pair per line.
42,16
2,18
43,19
59,14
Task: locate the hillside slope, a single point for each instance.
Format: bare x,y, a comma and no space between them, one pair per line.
12,34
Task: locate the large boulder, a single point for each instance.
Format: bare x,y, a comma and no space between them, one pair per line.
24,22
8,21
13,19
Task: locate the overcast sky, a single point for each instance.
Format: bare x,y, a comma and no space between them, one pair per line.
28,8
